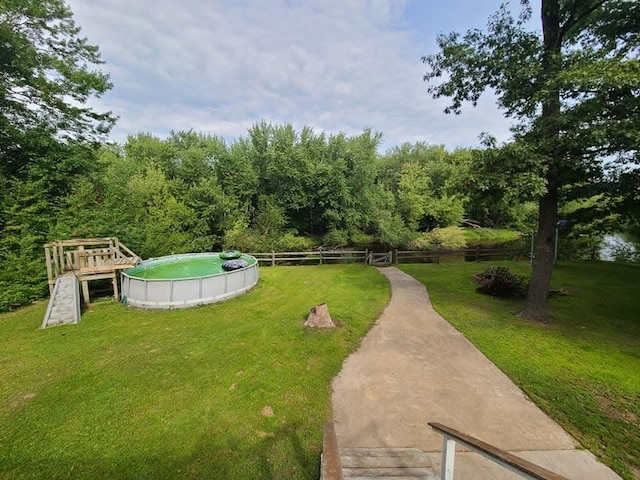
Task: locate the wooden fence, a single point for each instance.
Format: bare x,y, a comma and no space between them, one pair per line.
320,257
310,258
476,254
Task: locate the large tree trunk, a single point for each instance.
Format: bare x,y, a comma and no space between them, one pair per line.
536,306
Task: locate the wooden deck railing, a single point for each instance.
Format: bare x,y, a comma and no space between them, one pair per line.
511,462
88,259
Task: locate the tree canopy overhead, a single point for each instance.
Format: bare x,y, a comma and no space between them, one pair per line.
572,88
47,75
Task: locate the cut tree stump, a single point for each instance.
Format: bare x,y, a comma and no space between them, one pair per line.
319,317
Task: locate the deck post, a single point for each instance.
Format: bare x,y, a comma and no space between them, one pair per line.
47,257
60,254
85,292
116,295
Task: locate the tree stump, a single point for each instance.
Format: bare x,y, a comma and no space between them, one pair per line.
319,317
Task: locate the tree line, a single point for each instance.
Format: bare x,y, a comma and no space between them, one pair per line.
276,188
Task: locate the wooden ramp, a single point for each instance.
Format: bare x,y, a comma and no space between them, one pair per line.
64,304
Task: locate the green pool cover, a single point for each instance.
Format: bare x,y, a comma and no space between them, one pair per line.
180,267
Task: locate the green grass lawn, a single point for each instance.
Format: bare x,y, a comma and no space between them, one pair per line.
583,369
182,394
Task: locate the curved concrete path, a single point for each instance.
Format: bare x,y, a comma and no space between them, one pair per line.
413,367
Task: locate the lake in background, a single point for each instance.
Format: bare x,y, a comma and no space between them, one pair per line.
618,245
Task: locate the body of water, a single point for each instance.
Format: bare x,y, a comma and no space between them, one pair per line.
616,247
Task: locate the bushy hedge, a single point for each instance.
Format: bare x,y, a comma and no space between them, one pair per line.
448,237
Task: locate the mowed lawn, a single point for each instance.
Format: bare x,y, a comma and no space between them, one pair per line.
235,390
583,369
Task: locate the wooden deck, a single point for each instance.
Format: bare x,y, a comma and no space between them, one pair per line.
88,259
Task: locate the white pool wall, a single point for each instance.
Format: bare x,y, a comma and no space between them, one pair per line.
188,292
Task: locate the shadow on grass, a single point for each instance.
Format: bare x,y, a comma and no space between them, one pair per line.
273,455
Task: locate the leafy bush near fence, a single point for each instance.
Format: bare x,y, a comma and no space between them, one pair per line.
448,237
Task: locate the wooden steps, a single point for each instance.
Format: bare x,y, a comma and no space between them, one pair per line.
385,463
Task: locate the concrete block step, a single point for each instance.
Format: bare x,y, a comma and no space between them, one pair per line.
385,463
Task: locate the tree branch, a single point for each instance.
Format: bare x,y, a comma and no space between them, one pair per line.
575,17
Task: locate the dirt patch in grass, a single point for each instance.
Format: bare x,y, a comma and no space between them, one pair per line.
614,409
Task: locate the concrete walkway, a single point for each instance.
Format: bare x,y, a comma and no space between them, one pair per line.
413,367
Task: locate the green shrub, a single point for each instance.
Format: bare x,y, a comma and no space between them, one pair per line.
248,240
361,240
500,282
448,237
491,236
22,281
292,243
392,232
239,237
336,238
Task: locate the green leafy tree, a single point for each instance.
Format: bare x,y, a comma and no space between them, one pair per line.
46,78
503,182
48,72
413,192
572,89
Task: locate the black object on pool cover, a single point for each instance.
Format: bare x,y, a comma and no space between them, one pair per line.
230,265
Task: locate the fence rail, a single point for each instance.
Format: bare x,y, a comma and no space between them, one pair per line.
469,254
321,257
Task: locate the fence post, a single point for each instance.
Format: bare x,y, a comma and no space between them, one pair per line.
366,256
395,256
477,253
273,258
320,256
438,254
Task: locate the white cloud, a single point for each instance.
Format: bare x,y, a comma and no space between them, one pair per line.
219,66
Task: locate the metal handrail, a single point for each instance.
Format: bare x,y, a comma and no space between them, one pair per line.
511,462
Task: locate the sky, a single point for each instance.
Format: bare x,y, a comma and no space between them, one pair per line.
219,66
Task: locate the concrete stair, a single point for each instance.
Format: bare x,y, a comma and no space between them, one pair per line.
385,463
64,304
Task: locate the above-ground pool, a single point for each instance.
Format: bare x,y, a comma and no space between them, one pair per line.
181,281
